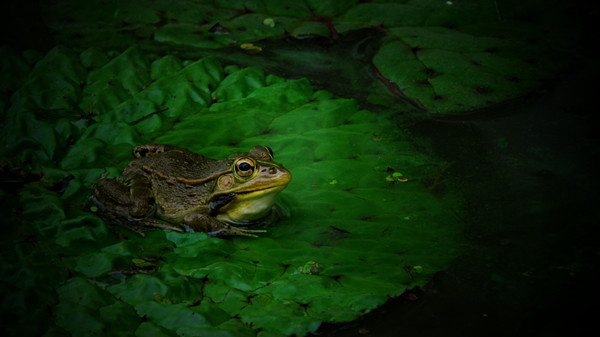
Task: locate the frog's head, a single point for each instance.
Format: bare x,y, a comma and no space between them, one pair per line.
250,189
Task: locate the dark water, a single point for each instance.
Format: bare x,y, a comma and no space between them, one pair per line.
528,173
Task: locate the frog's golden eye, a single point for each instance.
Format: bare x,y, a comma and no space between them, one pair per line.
245,167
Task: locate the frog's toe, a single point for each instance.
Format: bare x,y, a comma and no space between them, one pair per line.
141,226
249,232
231,230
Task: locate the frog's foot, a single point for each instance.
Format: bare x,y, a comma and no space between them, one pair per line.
147,225
232,230
198,222
140,226
151,224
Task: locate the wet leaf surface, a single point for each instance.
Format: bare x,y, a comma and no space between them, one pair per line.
340,252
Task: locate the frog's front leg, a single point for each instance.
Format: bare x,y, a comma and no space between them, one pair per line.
203,223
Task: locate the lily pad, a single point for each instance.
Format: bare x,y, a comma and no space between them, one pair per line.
350,238
446,57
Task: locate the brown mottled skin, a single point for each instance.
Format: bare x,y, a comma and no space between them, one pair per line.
168,187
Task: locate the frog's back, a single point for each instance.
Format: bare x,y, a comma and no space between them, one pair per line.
178,164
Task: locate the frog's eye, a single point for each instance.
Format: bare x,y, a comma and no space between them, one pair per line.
244,167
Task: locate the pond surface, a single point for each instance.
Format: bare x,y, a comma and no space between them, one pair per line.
528,175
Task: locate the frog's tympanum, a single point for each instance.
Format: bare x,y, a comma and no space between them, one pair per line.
168,187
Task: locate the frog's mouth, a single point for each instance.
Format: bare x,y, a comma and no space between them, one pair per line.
261,190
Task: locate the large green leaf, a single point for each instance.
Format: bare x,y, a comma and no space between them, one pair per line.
446,57
353,235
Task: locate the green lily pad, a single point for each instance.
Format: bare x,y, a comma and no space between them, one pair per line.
446,71
350,238
445,57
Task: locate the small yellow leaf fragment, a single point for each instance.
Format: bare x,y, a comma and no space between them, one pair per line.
251,48
333,182
399,176
269,22
396,176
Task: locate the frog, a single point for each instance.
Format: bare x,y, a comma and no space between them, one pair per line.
172,188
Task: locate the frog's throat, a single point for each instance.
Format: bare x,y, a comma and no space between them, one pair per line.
249,207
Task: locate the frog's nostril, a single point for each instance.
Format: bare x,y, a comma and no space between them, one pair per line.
272,170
